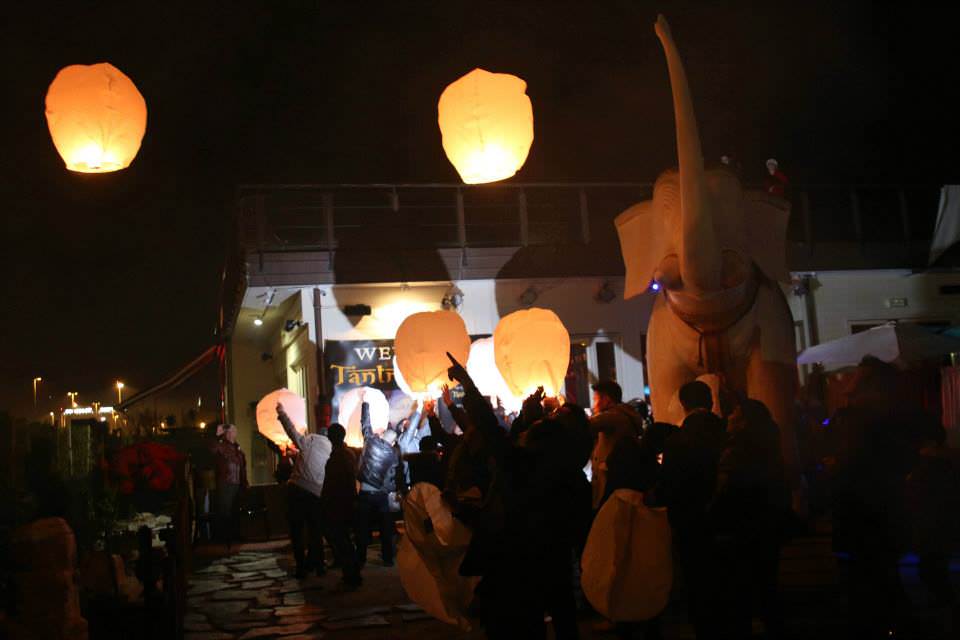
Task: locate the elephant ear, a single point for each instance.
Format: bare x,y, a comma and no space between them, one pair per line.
765,224
643,243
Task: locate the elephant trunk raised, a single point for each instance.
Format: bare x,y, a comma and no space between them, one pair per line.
699,252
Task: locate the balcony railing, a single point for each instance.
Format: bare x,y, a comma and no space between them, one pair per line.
328,217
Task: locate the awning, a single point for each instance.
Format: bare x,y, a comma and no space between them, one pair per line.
215,352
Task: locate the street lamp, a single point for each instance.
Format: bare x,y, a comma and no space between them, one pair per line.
119,392
36,381
73,398
53,419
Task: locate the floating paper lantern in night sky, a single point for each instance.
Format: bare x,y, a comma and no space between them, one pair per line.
487,124
96,117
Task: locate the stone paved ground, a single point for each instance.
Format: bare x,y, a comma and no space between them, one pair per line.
250,593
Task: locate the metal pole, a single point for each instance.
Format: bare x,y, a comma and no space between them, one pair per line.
321,360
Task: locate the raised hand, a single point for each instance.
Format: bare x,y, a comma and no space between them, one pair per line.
429,407
457,371
361,392
445,391
280,410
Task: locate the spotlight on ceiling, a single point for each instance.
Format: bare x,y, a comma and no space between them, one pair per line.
258,321
452,299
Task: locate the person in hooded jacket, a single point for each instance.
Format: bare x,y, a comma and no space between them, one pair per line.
378,477
305,487
611,421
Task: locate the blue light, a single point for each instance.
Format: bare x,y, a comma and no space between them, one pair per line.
655,286
646,391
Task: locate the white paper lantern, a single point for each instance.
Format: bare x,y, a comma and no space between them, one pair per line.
532,349
267,422
482,367
421,347
401,383
349,414
96,117
486,120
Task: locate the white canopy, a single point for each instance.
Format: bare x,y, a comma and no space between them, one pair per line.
904,344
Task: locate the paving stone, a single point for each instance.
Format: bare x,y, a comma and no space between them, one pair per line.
276,574
245,626
293,599
319,617
222,608
194,617
357,623
208,635
302,610
244,575
268,601
358,613
256,584
248,616
200,588
265,632
234,594
305,636
257,565
214,568
197,626
409,607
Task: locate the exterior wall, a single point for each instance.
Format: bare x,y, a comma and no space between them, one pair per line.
845,298
250,379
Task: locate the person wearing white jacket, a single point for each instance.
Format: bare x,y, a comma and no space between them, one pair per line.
304,489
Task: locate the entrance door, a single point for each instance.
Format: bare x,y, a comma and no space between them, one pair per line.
592,358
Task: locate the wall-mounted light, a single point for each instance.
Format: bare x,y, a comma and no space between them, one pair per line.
258,321
654,286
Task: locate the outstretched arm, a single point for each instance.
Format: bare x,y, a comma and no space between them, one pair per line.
288,427
478,410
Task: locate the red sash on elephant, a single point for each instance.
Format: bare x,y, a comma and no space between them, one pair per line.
627,570
430,554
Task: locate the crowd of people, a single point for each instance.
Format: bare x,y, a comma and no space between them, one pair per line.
519,483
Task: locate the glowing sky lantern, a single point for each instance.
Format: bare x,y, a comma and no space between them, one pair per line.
349,414
486,120
267,423
482,367
532,349
421,347
96,117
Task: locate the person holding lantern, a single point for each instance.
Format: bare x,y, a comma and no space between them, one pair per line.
378,477
231,466
305,488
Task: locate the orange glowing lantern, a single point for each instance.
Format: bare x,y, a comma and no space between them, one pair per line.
486,120
96,117
421,347
267,422
532,349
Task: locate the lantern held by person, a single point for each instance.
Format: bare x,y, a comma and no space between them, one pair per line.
96,117
486,120
482,367
267,422
349,413
421,347
532,349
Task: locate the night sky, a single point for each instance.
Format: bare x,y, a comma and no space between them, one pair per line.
116,275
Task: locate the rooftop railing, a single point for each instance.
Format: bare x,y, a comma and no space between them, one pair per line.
326,217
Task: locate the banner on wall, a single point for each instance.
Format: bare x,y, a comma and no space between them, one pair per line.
363,363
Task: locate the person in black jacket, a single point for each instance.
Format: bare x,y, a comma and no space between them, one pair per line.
378,469
688,483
